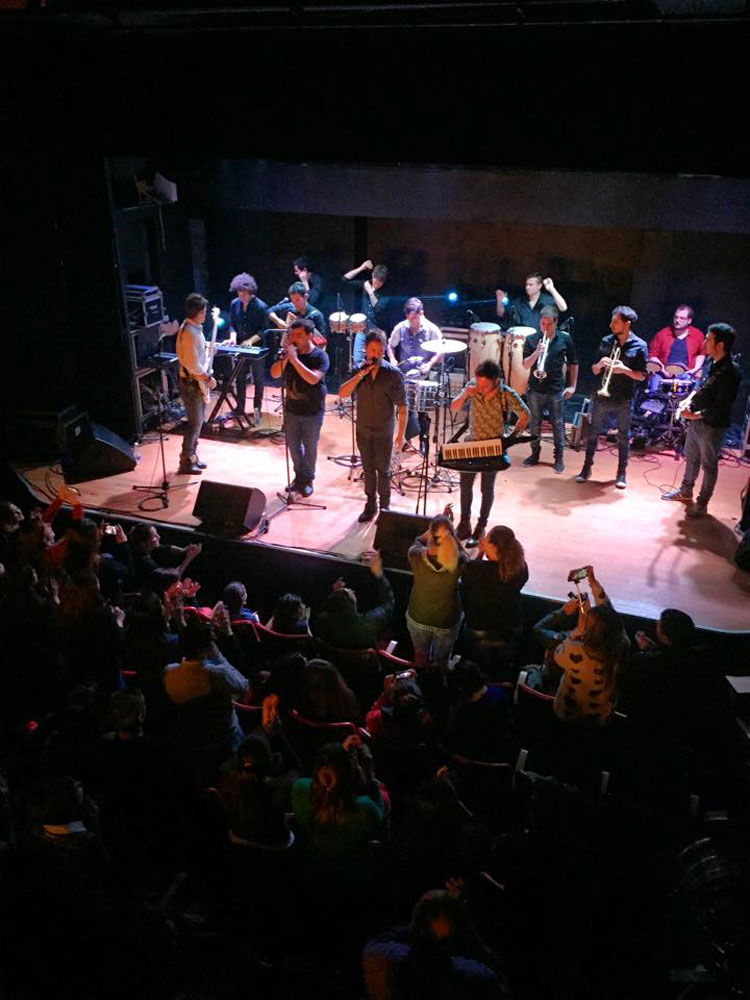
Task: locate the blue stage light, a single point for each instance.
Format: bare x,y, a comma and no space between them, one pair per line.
452,296
220,321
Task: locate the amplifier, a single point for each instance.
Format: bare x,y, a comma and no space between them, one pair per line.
145,305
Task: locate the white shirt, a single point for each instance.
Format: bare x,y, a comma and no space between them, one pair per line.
191,350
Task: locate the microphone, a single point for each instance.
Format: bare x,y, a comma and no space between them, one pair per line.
281,354
471,315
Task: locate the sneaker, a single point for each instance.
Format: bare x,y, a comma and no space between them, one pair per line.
257,417
463,531
198,464
559,466
293,487
697,509
368,513
189,469
620,481
531,460
678,494
584,474
306,490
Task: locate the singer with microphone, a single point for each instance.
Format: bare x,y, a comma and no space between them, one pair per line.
379,389
303,367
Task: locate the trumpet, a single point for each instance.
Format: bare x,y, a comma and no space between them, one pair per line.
541,361
613,359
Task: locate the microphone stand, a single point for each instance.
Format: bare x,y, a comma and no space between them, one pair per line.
352,460
160,493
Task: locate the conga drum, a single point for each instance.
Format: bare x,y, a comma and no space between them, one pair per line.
485,344
514,373
358,323
655,370
337,322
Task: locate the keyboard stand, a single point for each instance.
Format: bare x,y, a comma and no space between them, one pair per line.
230,388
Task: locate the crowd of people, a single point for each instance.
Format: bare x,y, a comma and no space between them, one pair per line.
183,803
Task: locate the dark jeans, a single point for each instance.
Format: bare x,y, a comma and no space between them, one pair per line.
702,446
302,433
195,414
376,450
257,370
467,493
603,407
554,404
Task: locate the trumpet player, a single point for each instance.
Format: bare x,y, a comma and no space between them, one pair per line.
622,363
545,353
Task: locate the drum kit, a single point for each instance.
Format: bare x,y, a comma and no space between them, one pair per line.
656,416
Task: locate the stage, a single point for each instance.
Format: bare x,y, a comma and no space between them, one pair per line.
647,554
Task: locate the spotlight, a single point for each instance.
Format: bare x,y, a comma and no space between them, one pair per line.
452,297
220,321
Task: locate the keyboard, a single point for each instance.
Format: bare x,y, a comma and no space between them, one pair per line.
234,351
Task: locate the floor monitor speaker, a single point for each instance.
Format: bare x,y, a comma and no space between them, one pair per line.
95,452
226,509
395,534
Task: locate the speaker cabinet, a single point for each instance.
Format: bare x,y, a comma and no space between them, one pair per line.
395,534
225,509
93,452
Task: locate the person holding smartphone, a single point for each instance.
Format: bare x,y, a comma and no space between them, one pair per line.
585,657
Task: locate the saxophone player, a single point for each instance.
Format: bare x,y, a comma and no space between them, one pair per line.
622,358
546,353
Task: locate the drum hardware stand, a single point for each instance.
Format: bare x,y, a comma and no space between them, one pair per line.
162,492
286,498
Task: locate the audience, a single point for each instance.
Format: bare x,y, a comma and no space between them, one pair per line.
290,616
399,716
480,726
342,624
585,659
491,591
203,686
434,614
338,812
202,833
325,697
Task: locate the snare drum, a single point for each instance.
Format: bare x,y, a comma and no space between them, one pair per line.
358,323
337,322
421,395
485,344
514,373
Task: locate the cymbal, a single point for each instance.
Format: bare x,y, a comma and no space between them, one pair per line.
443,346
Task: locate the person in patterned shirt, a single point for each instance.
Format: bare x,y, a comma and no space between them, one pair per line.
584,660
491,402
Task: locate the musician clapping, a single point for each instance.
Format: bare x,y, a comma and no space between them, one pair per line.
622,362
490,404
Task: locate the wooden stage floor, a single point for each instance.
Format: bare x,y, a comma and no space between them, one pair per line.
647,554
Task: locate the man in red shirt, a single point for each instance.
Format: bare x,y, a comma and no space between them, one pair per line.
679,343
